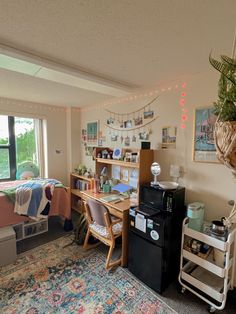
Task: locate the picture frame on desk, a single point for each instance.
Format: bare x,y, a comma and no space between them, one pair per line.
117,153
203,145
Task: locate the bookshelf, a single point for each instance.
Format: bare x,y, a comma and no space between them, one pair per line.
78,183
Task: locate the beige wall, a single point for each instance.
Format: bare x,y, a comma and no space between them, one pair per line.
210,183
56,132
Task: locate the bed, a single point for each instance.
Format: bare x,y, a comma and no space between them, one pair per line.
59,205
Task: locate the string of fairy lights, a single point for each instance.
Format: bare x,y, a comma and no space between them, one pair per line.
109,103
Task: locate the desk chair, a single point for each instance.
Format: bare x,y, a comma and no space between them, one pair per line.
104,227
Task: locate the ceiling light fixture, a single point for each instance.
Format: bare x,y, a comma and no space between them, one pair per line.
23,62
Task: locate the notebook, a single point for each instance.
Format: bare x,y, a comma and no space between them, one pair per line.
110,198
120,187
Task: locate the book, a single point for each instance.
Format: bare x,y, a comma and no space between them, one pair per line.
121,188
110,198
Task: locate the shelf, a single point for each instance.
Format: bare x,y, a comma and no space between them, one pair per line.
219,244
78,176
199,278
202,276
76,192
211,267
118,162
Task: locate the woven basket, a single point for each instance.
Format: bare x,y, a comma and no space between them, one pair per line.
225,142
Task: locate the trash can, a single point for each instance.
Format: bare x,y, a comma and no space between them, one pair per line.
7,245
195,214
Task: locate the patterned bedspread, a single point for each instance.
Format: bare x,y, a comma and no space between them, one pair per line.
33,197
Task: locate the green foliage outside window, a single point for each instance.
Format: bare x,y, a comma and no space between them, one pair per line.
25,147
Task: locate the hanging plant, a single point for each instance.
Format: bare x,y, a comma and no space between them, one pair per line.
225,109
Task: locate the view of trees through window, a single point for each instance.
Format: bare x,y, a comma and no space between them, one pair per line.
17,144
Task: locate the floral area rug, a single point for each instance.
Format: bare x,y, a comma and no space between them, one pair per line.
57,279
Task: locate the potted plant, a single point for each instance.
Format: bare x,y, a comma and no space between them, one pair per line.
225,109
225,126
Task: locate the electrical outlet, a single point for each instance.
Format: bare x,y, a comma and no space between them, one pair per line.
175,171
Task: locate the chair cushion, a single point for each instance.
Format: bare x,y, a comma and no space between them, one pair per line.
117,228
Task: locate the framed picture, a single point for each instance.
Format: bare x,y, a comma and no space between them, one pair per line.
204,147
138,121
92,133
169,137
116,172
117,153
125,174
114,137
128,124
100,142
84,135
148,114
143,136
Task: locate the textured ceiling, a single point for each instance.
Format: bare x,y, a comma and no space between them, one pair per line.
140,43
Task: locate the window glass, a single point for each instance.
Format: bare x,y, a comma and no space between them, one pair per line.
4,164
4,130
21,139
25,140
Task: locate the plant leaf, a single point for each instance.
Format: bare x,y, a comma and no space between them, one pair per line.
223,68
230,61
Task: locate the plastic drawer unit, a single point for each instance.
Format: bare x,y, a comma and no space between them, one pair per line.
7,245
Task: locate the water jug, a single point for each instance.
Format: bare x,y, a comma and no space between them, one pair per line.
195,214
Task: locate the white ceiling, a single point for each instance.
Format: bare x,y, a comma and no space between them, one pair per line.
129,43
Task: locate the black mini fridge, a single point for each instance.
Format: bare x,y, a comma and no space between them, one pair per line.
154,244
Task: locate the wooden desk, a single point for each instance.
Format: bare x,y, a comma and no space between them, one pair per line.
120,210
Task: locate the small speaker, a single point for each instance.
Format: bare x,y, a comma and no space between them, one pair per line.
145,145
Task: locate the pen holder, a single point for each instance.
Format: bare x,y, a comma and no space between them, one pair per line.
106,188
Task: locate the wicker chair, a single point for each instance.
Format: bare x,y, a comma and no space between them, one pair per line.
103,227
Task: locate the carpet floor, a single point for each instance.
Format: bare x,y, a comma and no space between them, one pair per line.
55,278
186,303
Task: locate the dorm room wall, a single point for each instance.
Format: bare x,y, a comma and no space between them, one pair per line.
210,183
56,132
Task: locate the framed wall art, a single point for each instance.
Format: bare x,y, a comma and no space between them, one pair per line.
169,134
92,133
204,147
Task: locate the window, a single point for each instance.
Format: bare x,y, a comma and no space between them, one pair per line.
19,142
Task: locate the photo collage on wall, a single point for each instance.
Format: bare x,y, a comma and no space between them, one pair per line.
127,128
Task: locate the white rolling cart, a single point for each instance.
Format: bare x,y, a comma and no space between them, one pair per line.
200,273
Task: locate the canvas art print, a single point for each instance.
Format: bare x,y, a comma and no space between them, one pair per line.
204,147
92,133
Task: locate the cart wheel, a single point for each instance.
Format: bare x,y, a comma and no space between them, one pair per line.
211,309
183,290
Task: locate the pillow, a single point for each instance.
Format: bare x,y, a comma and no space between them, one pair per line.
27,170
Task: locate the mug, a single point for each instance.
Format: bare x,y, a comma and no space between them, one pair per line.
106,188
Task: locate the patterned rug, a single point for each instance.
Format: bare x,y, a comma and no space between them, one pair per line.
54,279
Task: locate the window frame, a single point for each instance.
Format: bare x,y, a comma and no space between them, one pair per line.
11,146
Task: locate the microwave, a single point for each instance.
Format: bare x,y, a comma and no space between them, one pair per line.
162,199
